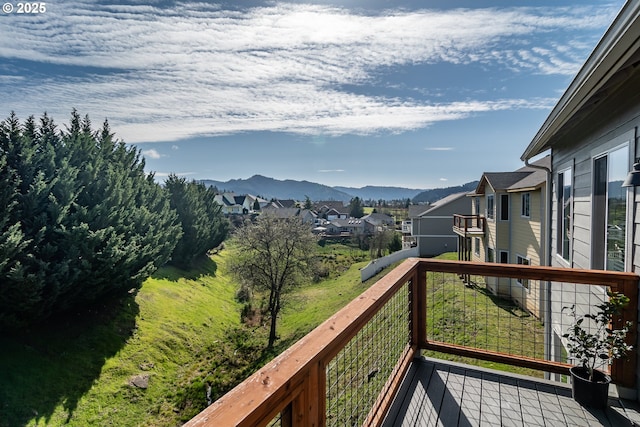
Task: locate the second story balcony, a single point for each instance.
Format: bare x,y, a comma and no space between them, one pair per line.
468,225
366,365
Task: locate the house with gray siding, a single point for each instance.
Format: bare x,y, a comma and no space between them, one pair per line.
431,225
592,135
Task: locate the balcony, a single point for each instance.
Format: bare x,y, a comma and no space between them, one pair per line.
468,225
365,365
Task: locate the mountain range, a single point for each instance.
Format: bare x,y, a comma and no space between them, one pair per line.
270,188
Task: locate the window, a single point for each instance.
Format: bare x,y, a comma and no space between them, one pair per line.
491,255
523,261
476,245
504,257
476,205
504,207
564,213
525,205
490,206
609,204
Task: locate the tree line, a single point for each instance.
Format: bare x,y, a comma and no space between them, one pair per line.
81,220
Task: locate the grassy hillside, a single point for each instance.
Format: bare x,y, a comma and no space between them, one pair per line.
179,332
81,372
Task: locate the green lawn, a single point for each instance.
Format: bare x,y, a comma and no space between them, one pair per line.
472,316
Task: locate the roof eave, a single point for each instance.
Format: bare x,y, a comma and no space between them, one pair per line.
611,52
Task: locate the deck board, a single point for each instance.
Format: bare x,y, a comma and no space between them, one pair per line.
439,393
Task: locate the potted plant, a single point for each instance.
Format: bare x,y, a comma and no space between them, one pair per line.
593,342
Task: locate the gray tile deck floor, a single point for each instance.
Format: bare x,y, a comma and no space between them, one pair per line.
439,393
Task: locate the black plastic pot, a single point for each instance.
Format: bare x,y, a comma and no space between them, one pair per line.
592,394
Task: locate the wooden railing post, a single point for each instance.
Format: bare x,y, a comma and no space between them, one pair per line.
623,371
421,296
309,407
414,310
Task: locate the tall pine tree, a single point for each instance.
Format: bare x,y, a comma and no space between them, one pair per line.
85,220
203,224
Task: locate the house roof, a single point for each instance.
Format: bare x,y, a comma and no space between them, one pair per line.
416,210
378,218
284,203
348,222
329,204
610,63
442,202
525,178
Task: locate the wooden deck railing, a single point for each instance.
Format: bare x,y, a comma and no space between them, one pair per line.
468,224
292,389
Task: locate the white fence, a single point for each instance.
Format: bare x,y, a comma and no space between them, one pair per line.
375,266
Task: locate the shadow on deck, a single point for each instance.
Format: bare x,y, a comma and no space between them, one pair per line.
436,392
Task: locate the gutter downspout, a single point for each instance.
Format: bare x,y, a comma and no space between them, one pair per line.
548,345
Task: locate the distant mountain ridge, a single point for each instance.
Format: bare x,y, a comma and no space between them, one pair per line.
269,188
433,195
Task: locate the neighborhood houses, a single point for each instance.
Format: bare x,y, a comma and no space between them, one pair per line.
328,219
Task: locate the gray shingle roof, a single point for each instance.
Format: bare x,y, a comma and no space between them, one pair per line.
524,178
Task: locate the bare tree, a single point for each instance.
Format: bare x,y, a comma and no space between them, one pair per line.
379,242
274,256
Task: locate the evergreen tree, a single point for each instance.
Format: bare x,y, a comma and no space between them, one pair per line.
85,218
396,243
307,203
203,224
356,210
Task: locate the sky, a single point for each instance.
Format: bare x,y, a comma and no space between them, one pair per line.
417,94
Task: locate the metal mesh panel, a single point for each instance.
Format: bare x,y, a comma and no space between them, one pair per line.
357,375
506,315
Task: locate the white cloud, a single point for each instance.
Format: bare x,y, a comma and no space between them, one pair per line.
330,170
196,69
152,154
443,179
439,148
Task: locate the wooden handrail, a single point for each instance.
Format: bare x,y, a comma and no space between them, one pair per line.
294,383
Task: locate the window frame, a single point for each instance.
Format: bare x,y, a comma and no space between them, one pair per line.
620,144
562,205
491,254
525,201
504,207
491,206
520,281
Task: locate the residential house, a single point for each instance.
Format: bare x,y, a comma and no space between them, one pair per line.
592,133
307,216
377,221
234,204
508,216
228,203
431,224
346,226
331,210
408,239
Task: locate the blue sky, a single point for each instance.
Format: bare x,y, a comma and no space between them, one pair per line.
420,94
